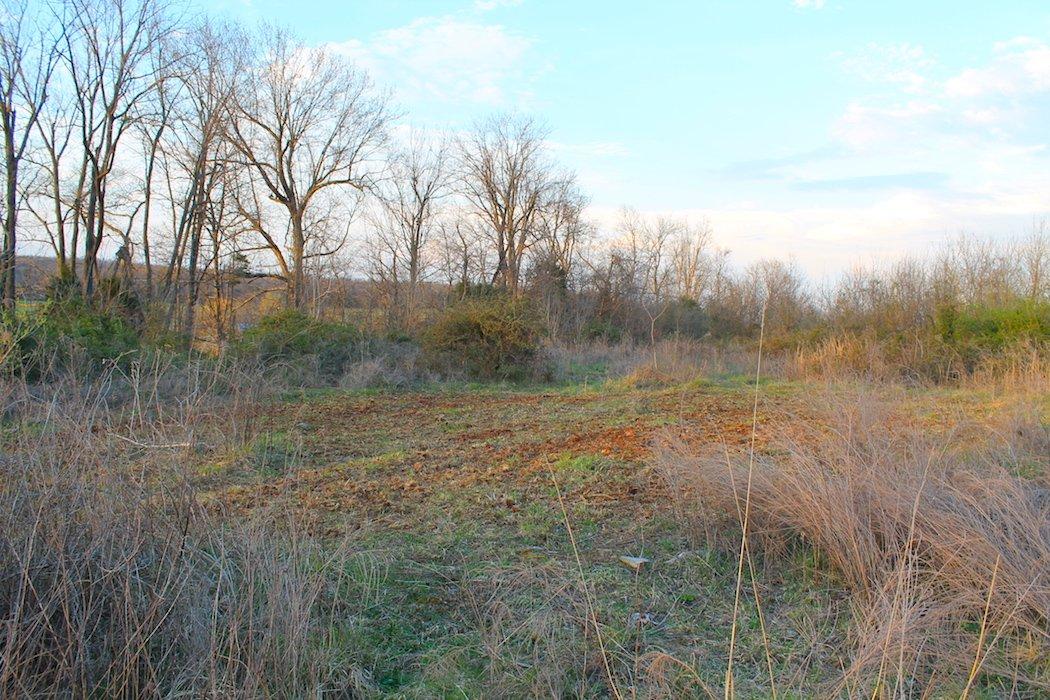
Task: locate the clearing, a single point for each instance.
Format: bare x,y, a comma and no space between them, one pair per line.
463,569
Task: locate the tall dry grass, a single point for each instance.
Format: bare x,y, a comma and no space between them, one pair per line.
667,361
919,360
119,579
942,537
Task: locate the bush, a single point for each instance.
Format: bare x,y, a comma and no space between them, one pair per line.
603,330
685,318
117,296
978,330
979,333
66,333
292,336
494,338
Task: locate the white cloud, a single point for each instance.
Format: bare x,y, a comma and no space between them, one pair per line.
1003,100
809,4
487,5
988,116
446,58
866,126
827,240
950,150
1019,66
898,64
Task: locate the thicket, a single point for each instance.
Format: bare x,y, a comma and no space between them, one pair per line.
292,338
489,337
66,333
974,309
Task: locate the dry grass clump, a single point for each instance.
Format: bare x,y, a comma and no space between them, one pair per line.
843,355
1024,369
533,650
588,361
921,360
945,548
394,366
116,581
668,361
680,359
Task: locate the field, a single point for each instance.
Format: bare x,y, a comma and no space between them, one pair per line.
187,528
485,526
331,368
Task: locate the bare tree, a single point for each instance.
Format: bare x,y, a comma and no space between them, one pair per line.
562,226
108,47
776,286
409,210
227,265
645,244
158,113
306,121
463,256
49,197
506,178
27,62
690,261
198,154
561,232
1034,255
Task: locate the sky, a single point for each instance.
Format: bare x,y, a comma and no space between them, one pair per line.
833,132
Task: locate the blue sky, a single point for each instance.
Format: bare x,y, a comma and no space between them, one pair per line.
833,131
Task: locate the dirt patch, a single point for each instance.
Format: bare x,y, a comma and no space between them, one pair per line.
387,456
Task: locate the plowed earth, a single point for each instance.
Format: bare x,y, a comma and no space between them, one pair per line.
486,527
386,457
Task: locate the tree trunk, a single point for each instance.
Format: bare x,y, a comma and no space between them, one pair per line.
147,195
298,255
90,246
7,257
62,266
191,296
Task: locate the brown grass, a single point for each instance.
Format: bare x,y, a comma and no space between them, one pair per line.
919,360
946,550
119,578
116,582
666,362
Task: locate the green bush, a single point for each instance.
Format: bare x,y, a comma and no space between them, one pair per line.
977,331
490,338
475,290
602,329
66,333
684,318
292,336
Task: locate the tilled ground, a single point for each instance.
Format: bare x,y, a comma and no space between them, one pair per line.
487,524
387,456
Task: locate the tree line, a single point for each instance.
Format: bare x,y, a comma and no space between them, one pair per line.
168,155
188,151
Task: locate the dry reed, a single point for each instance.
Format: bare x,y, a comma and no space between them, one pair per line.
935,534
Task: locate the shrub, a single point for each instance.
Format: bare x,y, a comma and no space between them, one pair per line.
117,296
475,290
66,333
978,330
684,318
602,330
292,336
493,338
